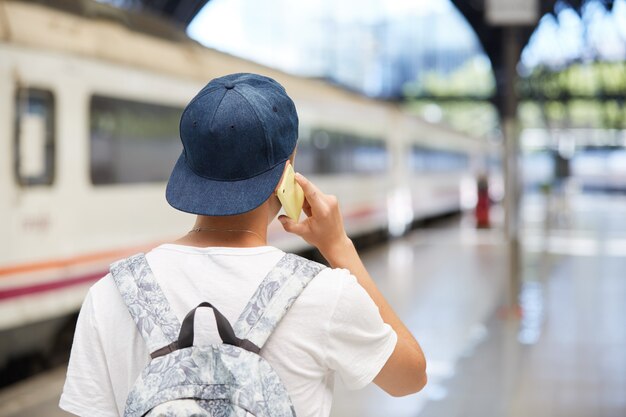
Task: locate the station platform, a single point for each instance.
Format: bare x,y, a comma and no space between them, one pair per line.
565,356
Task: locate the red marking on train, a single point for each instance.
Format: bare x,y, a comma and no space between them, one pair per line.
103,256
49,286
362,212
80,259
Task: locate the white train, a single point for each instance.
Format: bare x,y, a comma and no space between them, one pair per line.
89,104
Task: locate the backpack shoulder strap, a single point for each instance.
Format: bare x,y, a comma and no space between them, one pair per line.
146,301
274,296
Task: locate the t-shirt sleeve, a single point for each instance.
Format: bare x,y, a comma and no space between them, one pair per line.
87,390
359,342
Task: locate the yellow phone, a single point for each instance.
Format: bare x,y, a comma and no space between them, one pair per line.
290,194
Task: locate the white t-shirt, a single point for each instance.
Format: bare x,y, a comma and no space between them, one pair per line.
332,327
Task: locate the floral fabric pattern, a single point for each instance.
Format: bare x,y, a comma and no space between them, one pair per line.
223,380
145,301
274,297
217,380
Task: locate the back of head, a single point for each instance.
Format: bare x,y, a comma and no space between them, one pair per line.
238,133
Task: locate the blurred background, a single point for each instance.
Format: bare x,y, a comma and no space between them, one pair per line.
477,148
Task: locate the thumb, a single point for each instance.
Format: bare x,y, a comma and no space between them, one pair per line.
290,226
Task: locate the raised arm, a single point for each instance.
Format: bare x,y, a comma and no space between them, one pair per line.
405,370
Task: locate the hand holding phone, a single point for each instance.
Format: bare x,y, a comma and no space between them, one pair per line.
290,194
323,227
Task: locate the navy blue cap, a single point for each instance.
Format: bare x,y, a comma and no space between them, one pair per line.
238,133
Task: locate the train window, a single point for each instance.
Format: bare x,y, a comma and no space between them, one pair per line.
34,137
423,159
305,156
494,163
417,159
326,152
132,141
447,161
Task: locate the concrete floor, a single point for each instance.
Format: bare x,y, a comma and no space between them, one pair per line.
566,356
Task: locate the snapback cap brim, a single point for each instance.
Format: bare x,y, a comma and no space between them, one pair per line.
191,193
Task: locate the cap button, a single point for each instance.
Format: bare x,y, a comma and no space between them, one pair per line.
229,85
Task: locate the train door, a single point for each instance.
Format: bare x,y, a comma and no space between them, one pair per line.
33,139
399,200
6,185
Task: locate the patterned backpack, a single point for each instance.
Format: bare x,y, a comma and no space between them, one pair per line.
222,380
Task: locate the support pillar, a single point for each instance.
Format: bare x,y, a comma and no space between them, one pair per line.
510,129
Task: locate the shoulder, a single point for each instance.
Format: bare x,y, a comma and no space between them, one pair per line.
326,286
109,316
342,297
103,291
104,303
104,284
333,277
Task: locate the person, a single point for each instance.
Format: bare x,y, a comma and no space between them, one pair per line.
239,134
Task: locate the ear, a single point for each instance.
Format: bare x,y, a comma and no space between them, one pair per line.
282,176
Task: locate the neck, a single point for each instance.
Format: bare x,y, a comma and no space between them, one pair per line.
242,230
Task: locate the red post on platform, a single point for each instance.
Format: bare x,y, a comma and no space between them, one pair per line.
482,203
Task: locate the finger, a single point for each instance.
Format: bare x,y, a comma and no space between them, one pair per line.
312,194
306,207
290,226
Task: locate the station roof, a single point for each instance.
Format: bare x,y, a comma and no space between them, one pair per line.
182,12
490,37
